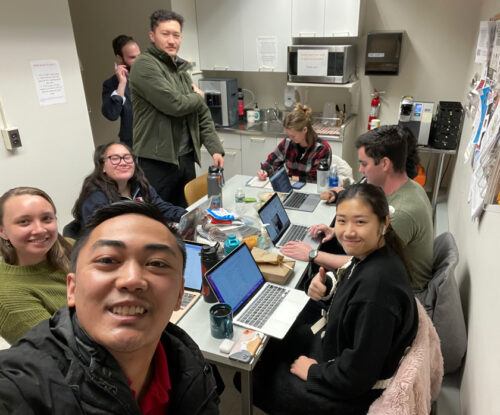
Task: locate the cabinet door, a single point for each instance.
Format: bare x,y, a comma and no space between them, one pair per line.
232,163
341,18
308,18
254,150
219,34
267,32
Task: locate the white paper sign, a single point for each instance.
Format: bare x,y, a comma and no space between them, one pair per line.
267,52
484,41
48,82
312,62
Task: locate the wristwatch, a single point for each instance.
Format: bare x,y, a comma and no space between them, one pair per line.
313,253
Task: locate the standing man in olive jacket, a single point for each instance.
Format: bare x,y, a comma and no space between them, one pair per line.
113,350
171,119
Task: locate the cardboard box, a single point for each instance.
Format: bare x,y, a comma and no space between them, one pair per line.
273,266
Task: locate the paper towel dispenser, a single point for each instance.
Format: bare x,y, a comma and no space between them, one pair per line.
383,50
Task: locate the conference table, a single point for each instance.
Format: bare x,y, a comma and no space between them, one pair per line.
196,321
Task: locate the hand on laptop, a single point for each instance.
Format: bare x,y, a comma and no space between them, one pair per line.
317,288
297,250
322,231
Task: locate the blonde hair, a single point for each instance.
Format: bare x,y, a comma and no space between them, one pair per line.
58,255
301,117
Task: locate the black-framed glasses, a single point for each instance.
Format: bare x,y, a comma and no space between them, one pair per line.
115,159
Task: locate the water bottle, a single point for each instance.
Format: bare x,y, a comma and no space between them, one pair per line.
263,241
231,243
322,174
209,258
241,105
333,178
215,181
239,200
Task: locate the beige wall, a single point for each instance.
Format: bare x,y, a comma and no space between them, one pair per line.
96,23
57,140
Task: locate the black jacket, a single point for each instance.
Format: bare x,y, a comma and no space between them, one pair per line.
113,107
98,199
57,369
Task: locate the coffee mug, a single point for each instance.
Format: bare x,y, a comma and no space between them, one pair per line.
221,321
253,116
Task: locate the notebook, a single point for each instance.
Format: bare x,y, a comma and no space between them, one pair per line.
192,280
279,227
257,304
305,202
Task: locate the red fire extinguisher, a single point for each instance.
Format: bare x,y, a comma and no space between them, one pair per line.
374,107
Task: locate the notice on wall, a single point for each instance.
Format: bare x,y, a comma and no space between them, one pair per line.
484,41
48,81
312,62
267,52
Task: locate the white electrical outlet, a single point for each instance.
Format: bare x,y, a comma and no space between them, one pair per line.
11,138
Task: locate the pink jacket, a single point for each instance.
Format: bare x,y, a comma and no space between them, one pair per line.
417,381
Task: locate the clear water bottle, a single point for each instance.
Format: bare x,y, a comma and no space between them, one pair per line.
333,178
239,200
215,181
322,174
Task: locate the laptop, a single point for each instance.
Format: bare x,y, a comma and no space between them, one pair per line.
279,227
305,202
192,280
257,304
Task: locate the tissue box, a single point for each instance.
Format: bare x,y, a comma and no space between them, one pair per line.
273,266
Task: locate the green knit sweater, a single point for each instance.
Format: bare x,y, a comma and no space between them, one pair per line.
28,295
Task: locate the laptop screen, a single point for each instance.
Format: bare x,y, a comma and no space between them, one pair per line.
193,272
230,284
274,214
280,181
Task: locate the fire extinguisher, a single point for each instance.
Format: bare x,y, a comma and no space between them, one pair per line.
374,106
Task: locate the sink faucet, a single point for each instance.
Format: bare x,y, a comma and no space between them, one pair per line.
277,113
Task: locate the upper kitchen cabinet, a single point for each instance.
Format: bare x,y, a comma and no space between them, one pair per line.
267,32
219,34
325,18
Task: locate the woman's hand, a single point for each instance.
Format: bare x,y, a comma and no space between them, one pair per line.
297,250
300,367
317,288
322,231
261,174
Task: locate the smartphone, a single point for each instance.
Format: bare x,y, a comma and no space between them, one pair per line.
298,185
243,356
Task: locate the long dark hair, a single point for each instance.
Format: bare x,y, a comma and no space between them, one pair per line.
59,253
375,197
98,180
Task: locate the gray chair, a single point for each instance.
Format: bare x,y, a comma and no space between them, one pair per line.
441,300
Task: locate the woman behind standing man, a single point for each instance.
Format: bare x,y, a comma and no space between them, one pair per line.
300,151
116,176
342,363
34,261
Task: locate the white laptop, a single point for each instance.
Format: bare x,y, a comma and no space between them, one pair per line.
192,280
257,304
305,202
279,227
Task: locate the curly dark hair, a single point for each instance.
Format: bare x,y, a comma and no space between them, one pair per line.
163,15
98,180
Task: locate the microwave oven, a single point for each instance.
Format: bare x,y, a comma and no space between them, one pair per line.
325,64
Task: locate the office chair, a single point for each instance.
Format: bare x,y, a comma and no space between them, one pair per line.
441,300
196,189
417,381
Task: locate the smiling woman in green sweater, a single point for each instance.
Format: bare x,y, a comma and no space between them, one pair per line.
34,260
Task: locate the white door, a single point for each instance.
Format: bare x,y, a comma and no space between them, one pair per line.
267,31
308,18
219,34
341,18
254,150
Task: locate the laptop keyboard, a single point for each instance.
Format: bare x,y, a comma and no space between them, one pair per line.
262,308
186,299
296,233
295,200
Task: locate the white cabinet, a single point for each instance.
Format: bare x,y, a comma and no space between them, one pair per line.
255,150
325,18
232,158
267,31
219,34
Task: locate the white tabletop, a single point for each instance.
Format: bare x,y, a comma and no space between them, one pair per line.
196,321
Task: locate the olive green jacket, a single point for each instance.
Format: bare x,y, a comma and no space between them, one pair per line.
162,97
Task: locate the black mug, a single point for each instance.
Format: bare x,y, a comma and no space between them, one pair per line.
209,258
221,321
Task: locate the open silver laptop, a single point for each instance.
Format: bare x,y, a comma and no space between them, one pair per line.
279,227
257,304
192,280
305,202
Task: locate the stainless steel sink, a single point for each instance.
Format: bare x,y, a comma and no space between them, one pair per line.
267,127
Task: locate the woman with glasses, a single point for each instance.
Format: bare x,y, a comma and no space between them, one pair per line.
116,176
